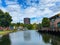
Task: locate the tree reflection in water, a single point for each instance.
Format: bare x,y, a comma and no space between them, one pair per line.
46,38
5,40
27,35
55,40
52,39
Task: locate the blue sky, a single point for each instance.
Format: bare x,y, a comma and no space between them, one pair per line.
34,9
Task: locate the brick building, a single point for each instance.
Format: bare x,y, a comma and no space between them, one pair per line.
55,21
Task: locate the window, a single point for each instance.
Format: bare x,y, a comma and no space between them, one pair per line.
52,20
58,24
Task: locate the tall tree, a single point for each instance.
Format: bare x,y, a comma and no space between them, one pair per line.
5,19
39,26
28,26
34,26
46,22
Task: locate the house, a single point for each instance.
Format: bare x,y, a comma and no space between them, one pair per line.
4,28
20,28
1,28
55,21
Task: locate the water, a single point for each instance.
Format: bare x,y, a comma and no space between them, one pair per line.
29,38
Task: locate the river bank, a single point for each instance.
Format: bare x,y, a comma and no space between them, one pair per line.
49,32
6,32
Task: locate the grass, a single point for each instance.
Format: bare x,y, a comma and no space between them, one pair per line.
6,32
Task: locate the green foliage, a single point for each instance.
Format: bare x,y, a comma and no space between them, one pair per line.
46,22
34,26
21,24
46,38
18,24
29,26
13,24
39,26
5,40
5,19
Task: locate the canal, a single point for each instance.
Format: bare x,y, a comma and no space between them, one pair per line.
29,37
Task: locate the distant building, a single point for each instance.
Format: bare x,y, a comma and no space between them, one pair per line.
26,20
55,21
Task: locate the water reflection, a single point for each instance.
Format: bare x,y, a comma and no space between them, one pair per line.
52,39
29,38
55,40
5,40
26,38
46,38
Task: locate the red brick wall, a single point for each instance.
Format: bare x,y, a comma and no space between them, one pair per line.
55,22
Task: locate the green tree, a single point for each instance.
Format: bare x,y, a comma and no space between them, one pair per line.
39,26
29,26
34,26
5,19
18,24
21,24
46,22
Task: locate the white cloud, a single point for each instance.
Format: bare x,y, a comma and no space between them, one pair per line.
30,10
2,8
14,11
39,11
57,0
11,2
